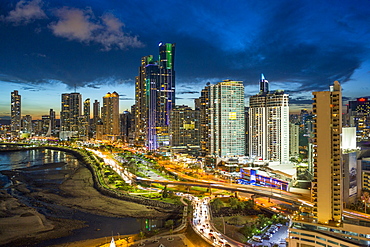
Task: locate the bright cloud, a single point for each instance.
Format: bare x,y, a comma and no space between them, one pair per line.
81,25
26,12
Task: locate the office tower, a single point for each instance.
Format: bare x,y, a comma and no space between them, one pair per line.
328,226
269,124
125,126
358,115
15,108
110,115
155,98
71,110
185,127
326,187
293,139
203,104
27,124
227,135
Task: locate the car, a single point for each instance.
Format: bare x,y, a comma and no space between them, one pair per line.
227,245
266,237
279,225
257,239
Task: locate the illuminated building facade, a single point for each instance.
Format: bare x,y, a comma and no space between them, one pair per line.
110,116
15,108
96,116
184,127
327,108
269,124
358,115
155,98
203,103
293,139
326,225
226,109
27,124
71,109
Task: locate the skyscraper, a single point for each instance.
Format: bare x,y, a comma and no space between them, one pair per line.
203,104
358,115
184,127
269,124
155,98
71,110
86,119
326,187
15,108
324,224
227,135
110,115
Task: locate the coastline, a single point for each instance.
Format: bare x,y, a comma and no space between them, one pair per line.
23,225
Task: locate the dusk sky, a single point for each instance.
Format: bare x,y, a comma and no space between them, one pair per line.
50,47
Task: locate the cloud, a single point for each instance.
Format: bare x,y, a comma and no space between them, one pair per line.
187,92
26,12
81,25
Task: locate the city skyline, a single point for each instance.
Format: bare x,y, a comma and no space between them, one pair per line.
94,47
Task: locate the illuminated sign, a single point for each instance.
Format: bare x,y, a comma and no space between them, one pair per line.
232,115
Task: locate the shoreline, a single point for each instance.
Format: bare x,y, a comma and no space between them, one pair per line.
21,221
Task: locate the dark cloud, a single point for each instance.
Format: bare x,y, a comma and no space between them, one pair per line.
302,45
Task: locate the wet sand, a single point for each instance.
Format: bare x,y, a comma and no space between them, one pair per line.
34,208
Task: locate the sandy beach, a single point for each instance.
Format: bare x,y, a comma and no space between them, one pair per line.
22,225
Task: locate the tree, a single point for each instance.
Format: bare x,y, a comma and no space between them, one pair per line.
169,224
165,192
234,202
217,204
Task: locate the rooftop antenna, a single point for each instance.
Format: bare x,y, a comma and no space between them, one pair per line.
75,88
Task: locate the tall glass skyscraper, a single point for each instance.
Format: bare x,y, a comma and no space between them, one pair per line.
227,133
155,98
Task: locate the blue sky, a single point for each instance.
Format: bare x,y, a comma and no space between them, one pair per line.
50,47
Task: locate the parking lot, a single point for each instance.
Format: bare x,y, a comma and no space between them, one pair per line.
274,237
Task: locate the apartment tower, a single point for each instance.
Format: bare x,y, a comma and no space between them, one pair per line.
269,124
326,187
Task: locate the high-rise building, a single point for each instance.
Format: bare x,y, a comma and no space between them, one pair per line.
269,124
155,98
27,124
85,119
15,108
96,115
110,115
125,126
71,110
226,109
185,127
327,108
293,139
52,121
358,115
325,225
203,104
